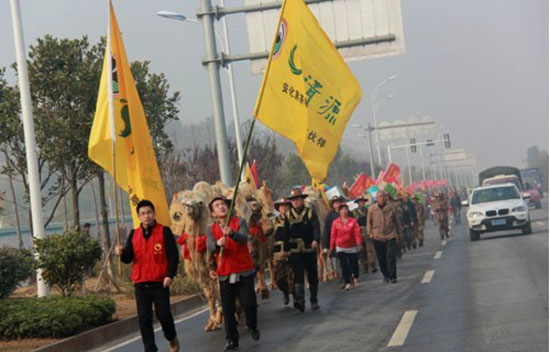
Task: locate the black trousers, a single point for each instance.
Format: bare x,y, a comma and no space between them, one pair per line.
146,296
244,290
350,265
307,261
386,252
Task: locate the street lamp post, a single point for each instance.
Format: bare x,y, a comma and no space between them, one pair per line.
374,107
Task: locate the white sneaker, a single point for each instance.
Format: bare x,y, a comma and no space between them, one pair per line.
347,287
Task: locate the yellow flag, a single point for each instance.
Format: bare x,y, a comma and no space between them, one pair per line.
136,165
308,92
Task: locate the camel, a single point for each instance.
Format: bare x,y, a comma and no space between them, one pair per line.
260,226
191,219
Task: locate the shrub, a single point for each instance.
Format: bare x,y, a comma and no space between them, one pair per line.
15,267
55,317
66,259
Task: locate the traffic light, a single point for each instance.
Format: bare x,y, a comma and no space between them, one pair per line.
413,145
447,140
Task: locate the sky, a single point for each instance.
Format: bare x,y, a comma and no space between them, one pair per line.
478,68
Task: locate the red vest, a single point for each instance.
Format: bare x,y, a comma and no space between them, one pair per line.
236,257
200,245
150,263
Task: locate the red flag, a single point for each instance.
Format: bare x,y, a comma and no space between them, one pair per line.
392,173
359,186
254,172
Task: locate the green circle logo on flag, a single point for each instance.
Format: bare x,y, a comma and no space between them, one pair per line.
281,36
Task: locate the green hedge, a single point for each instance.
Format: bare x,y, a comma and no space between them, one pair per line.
54,317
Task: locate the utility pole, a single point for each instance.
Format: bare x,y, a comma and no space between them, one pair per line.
30,142
206,17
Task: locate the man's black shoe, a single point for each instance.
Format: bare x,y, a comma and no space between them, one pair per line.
386,279
255,334
231,345
374,270
286,300
314,305
393,281
299,306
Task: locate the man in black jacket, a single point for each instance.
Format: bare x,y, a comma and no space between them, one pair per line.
153,252
304,237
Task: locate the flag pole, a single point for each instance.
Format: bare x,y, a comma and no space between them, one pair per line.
239,174
112,125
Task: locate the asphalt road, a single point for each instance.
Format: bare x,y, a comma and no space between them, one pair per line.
490,295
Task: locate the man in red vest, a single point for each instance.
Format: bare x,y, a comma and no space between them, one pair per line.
152,250
234,270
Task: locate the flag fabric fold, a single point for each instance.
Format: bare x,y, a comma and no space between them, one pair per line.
308,93
136,166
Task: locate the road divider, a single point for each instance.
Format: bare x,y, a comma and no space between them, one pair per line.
400,334
427,277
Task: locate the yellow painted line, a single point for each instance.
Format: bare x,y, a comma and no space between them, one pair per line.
438,254
427,277
400,334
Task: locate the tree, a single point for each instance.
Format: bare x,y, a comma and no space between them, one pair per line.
344,168
66,259
64,76
15,267
293,173
12,147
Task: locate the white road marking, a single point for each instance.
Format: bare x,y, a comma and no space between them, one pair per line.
539,223
438,254
427,277
444,242
124,343
400,334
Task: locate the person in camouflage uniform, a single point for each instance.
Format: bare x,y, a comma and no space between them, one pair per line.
367,254
421,217
441,209
397,204
284,276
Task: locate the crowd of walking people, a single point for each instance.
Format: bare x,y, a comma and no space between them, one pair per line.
372,237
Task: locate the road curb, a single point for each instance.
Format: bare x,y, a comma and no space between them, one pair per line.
102,335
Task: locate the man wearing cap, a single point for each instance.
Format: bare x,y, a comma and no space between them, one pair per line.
421,217
152,250
304,236
366,254
383,226
234,269
284,276
332,215
441,209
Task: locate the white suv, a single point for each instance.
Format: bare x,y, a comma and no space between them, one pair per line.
498,207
